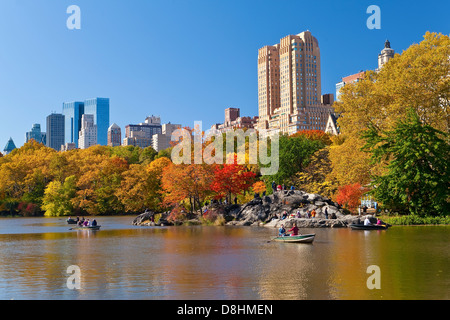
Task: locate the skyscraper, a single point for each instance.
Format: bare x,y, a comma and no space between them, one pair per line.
99,107
36,134
10,146
55,131
88,132
72,112
114,135
289,85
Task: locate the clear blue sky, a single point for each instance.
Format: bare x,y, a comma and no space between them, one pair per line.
184,60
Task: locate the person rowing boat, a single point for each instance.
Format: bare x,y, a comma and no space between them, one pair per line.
294,230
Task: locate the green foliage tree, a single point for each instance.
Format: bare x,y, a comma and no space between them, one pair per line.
58,197
294,154
417,178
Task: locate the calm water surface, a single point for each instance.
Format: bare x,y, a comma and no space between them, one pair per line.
122,261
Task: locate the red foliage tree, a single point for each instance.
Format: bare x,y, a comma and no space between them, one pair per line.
231,179
349,196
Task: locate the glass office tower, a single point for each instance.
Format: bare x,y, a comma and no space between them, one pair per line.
36,134
72,112
55,131
99,107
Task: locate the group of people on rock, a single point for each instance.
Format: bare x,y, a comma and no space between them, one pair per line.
280,187
309,214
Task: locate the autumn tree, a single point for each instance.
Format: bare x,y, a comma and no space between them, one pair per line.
141,186
231,178
315,177
24,174
259,187
98,178
190,182
317,135
417,78
58,197
349,196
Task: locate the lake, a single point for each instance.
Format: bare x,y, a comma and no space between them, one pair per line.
122,261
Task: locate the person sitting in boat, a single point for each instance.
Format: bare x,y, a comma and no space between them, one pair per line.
94,223
86,223
367,221
282,231
379,223
294,230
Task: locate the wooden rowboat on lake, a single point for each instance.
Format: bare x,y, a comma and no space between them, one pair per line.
301,238
355,226
86,228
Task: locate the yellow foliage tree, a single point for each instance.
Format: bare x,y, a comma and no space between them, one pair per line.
418,78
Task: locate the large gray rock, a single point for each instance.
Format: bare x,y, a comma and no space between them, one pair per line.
295,202
308,223
341,222
143,218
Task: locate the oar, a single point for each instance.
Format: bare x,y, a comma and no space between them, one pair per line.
286,234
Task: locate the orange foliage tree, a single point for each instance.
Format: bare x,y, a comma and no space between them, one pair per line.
349,195
182,182
259,187
315,135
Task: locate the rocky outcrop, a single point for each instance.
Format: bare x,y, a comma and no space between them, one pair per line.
143,218
341,222
147,219
268,210
292,202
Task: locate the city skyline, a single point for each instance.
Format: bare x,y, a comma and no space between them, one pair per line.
140,59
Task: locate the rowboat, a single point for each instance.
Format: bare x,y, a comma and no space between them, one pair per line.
71,221
86,228
355,226
301,238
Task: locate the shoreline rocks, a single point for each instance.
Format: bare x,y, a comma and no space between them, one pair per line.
145,219
267,210
342,222
293,202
